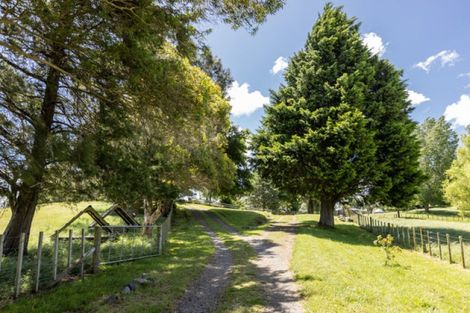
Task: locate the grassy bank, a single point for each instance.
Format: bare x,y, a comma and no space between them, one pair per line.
341,271
188,251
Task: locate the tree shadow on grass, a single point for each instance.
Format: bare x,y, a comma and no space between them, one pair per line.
344,233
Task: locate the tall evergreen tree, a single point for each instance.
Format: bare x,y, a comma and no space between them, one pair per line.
438,146
328,129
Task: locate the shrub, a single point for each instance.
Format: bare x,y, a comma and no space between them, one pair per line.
386,243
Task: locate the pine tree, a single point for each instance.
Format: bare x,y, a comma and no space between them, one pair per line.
328,131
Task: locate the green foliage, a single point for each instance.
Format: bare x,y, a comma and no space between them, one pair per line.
340,125
213,67
88,90
264,195
386,243
236,150
438,145
456,185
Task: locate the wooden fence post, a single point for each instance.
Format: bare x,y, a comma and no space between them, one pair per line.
462,251
97,252
38,263
69,254
423,247
371,222
439,245
55,260
414,238
1,251
82,254
19,265
448,247
402,236
408,237
429,242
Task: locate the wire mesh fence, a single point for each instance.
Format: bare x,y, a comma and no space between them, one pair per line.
69,255
424,216
447,247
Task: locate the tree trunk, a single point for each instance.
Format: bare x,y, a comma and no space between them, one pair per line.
327,218
151,215
32,177
310,205
426,208
21,220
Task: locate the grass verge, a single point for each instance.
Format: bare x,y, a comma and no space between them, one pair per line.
340,270
188,252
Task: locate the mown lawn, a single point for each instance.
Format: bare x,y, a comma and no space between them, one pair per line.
244,221
340,270
188,252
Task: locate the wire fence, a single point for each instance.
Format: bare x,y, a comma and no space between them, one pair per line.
450,248
424,216
70,255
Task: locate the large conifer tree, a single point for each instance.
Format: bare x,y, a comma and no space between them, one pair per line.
331,130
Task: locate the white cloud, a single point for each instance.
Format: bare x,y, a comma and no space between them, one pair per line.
416,98
243,101
375,43
467,86
279,65
464,75
446,57
459,112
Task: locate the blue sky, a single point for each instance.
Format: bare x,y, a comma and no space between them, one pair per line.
428,39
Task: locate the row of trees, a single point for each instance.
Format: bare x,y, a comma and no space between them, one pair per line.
114,99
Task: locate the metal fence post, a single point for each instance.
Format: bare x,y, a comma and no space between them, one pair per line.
69,255
1,251
97,252
160,241
19,265
55,261
38,263
82,254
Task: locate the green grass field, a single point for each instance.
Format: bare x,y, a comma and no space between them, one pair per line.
188,251
50,217
341,270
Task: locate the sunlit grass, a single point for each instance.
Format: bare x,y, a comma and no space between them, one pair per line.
340,270
50,217
188,252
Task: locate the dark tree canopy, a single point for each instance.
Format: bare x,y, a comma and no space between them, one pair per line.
72,71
